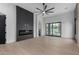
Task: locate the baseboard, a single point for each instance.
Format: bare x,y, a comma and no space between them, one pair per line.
10,42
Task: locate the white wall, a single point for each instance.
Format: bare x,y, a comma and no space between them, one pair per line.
37,19
10,11
34,25
67,20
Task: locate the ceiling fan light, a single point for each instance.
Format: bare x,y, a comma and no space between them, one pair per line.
44,12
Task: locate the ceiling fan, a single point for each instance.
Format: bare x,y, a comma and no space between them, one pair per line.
45,10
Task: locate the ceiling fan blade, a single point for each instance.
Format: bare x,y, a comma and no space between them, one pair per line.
47,13
49,9
38,13
50,12
39,9
45,7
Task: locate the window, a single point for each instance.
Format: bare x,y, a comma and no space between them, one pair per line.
53,29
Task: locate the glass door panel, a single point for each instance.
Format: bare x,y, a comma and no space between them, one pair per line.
46,29
56,29
51,29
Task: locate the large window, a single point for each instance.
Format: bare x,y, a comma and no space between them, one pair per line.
53,29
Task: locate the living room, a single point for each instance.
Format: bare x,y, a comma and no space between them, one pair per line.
48,27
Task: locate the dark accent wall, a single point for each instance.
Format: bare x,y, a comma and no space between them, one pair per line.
2,29
24,18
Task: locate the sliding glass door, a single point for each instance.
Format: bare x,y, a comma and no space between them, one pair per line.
47,29
53,29
57,29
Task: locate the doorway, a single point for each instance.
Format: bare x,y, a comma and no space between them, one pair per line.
2,29
53,29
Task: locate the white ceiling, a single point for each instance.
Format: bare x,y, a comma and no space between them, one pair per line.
59,7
